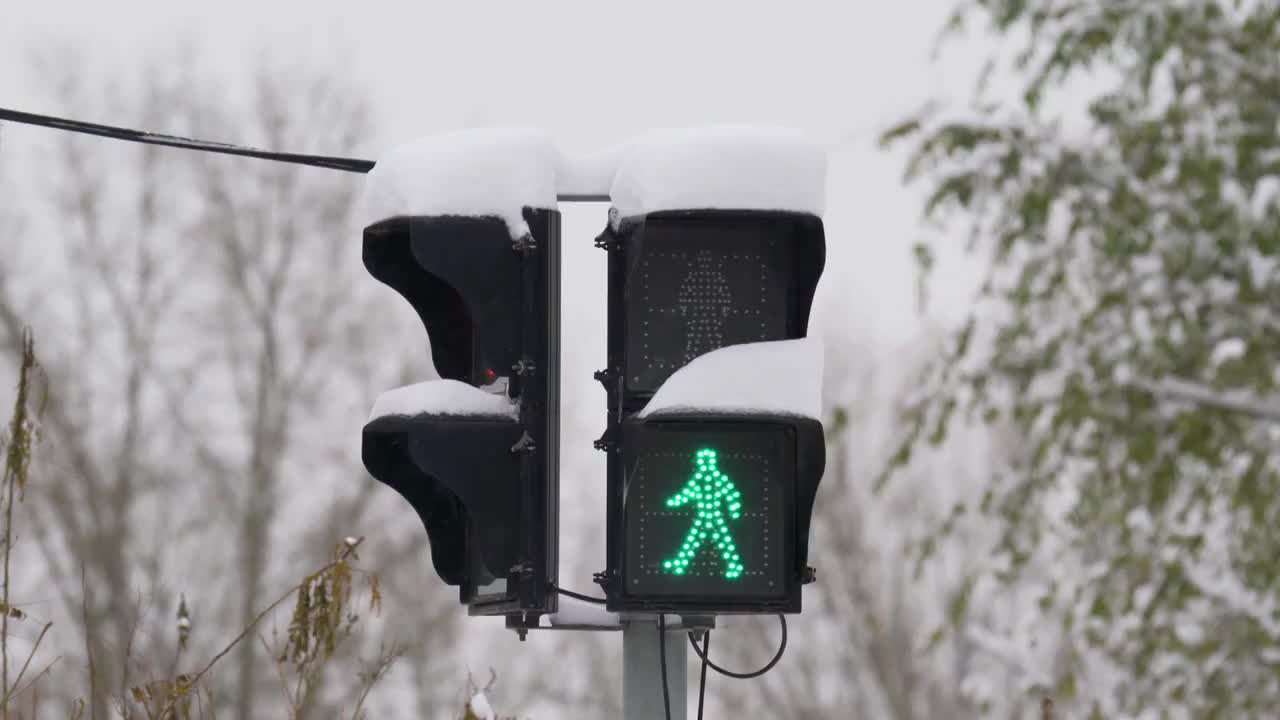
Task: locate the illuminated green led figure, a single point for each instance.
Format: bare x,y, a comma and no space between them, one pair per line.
715,496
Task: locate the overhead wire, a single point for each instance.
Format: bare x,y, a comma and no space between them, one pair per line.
331,162
347,164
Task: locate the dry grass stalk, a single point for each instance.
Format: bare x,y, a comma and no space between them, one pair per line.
18,445
322,617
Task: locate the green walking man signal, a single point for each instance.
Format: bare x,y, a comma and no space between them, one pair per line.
715,496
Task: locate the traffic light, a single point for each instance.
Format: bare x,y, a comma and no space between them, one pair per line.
709,497
710,487
716,511
683,283
476,453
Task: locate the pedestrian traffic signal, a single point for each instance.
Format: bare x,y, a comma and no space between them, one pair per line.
684,283
714,509
708,510
476,453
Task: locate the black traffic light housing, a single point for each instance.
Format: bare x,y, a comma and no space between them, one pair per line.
485,486
682,284
754,561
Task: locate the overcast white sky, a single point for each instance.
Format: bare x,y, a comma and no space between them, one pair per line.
592,73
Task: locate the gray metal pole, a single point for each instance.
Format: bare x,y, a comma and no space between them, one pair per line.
642,673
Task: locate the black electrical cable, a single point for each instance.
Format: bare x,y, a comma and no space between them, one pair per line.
782,647
346,164
110,131
702,681
662,660
579,596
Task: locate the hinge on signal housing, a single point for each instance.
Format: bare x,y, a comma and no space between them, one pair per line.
525,244
605,580
523,367
606,442
608,240
524,445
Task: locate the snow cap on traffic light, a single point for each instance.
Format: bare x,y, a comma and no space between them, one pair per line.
771,378
735,167
442,397
484,172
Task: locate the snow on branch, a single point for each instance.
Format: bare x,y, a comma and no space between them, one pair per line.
1230,400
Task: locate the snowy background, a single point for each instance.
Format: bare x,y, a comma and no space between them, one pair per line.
215,346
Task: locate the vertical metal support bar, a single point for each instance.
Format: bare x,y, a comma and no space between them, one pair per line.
642,697
550,257
539,387
612,582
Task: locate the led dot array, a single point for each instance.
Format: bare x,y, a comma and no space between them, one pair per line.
698,298
704,302
715,496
